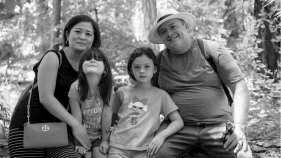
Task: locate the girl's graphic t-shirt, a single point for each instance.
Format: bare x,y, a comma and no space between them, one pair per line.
139,116
91,110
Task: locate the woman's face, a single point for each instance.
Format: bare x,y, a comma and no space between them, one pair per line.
81,36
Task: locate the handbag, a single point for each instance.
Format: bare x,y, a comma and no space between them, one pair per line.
43,135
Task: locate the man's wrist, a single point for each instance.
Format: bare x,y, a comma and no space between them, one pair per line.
241,126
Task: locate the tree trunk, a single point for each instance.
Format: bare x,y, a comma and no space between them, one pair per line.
149,10
42,9
55,23
269,55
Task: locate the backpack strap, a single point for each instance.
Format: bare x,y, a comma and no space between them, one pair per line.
35,84
207,55
159,56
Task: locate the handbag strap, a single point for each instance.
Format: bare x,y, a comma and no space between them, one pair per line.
35,85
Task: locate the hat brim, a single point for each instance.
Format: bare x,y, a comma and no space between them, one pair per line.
189,19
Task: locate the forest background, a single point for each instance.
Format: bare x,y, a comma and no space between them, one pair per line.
250,29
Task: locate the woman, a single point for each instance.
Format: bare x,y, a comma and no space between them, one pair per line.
54,80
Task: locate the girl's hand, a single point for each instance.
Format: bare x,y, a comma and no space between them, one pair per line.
104,147
155,145
80,133
238,139
81,150
114,126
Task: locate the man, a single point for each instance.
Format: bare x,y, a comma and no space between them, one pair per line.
197,89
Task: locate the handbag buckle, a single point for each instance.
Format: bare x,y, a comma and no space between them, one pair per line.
45,128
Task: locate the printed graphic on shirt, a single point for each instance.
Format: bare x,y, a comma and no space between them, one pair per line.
138,107
92,113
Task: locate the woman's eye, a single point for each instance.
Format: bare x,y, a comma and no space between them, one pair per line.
88,34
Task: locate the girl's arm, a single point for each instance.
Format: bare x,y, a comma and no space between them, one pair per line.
106,124
159,139
47,75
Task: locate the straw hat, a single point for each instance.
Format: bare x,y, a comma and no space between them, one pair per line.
164,15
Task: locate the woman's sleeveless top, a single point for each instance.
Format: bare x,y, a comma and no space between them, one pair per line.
38,113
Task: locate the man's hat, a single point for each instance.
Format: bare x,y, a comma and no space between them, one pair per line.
164,15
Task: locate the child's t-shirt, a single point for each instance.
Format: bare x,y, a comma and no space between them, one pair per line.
138,114
91,110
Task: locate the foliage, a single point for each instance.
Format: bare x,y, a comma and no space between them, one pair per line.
264,85
26,32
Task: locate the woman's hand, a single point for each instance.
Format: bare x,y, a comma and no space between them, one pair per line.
155,145
104,147
238,139
80,133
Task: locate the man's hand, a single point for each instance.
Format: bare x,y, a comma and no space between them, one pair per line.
238,139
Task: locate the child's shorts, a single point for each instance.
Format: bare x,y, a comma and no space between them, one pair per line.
96,142
123,153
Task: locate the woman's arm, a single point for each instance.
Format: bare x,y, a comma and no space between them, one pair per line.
76,113
47,75
158,140
75,110
106,124
241,102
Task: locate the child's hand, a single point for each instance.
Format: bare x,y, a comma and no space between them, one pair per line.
114,126
104,147
81,150
155,145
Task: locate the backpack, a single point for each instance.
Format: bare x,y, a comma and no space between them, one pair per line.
25,92
209,59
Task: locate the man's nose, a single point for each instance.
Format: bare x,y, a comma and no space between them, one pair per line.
169,32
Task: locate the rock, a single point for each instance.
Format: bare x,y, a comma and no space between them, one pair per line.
3,143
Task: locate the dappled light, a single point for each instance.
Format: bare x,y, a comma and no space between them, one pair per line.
249,29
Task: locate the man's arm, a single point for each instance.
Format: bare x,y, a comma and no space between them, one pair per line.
241,102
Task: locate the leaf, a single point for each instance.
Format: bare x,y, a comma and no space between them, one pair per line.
253,121
10,4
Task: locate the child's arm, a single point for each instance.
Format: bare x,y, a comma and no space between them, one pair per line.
106,124
159,139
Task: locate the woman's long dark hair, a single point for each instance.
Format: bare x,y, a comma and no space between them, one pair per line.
106,82
82,18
